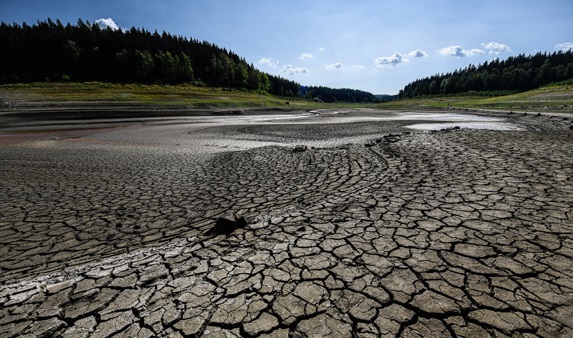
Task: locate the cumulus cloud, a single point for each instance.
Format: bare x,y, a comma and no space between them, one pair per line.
107,23
565,46
337,65
418,53
458,51
390,61
290,70
495,47
269,62
305,56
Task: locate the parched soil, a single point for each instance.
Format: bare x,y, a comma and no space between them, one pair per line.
381,232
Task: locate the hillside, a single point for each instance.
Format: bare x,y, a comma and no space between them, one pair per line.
141,96
498,77
550,98
52,52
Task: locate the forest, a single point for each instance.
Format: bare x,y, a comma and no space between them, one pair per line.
51,51
515,74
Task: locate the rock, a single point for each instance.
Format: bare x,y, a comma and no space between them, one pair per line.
392,138
300,148
227,224
240,221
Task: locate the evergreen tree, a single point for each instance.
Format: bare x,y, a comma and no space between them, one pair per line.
519,73
50,51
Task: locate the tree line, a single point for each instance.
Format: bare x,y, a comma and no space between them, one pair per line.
52,51
517,73
326,94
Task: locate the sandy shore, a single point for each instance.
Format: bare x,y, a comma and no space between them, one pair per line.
377,229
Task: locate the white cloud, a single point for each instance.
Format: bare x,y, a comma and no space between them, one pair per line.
358,67
337,65
107,23
565,46
305,56
269,62
390,61
321,49
496,48
290,70
458,51
398,58
418,53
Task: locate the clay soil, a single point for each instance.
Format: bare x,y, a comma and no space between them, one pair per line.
373,230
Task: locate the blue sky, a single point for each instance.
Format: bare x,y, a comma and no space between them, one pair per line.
373,45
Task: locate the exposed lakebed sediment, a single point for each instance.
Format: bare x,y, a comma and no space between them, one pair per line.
375,230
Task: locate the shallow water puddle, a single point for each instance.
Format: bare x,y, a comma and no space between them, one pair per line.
450,120
470,125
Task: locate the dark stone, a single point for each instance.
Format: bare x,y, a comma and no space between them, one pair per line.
227,224
240,221
392,138
299,148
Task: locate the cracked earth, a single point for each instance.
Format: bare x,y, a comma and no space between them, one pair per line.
455,233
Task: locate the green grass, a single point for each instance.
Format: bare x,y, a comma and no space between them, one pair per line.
549,98
178,95
557,97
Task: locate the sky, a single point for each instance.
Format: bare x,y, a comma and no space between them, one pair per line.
374,45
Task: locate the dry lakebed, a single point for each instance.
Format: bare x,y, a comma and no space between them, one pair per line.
360,223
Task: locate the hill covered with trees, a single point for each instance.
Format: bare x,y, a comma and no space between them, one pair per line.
51,51
515,74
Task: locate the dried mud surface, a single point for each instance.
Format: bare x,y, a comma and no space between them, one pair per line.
376,231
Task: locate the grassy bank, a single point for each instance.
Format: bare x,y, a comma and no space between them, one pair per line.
179,95
548,98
